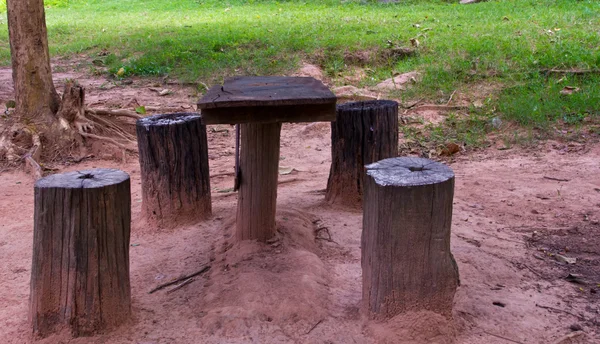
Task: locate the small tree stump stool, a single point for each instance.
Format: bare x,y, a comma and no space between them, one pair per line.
261,104
80,265
173,153
363,132
406,260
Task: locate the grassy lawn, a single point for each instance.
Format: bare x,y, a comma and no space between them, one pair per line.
508,42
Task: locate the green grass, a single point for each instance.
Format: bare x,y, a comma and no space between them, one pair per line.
505,42
538,101
469,131
47,4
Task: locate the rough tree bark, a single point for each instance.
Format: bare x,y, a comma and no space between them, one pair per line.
80,265
173,153
363,132
35,95
406,260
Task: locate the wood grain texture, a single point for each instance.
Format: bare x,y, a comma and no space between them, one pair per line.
173,153
259,168
80,265
266,91
406,260
364,132
267,100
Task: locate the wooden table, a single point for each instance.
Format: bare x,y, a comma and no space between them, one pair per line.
260,105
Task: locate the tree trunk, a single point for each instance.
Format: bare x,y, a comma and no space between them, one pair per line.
406,260
364,132
259,170
173,153
80,266
35,95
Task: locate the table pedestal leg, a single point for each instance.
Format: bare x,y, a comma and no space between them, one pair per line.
259,167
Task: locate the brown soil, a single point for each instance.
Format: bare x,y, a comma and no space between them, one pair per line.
511,220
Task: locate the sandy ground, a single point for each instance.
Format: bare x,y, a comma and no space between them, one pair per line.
514,211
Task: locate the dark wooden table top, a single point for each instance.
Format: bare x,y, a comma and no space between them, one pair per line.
268,99
266,91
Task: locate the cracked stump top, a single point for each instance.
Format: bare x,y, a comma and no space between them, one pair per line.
84,179
258,99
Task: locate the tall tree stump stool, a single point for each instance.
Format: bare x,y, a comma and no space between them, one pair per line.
80,266
259,105
173,153
363,132
406,260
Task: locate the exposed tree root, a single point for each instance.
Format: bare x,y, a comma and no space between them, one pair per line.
107,139
97,124
116,113
111,125
75,125
33,156
33,167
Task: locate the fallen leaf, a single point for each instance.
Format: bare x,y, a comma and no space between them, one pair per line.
565,259
573,278
285,170
121,71
219,130
450,149
568,90
141,110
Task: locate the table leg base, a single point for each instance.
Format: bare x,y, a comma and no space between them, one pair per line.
259,169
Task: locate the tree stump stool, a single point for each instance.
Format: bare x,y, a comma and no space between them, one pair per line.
364,132
259,105
173,153
406,260
80,266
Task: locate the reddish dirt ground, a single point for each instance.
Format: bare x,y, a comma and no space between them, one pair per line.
514,211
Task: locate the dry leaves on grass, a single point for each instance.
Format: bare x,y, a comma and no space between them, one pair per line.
568,90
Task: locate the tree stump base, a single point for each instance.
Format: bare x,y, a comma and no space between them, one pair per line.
173,153
406,260
80,266
259,170
364,132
